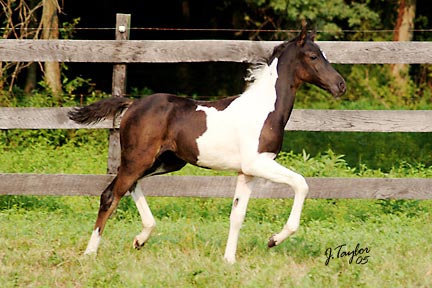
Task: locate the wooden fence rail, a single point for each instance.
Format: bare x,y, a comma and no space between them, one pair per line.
301,120
167,51
216,186
173,51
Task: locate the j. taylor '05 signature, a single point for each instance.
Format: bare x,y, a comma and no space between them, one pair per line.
358,255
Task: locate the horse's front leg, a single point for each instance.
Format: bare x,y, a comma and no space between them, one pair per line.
147,218
265,167
238,213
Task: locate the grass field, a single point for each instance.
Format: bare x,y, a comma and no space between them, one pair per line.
43,238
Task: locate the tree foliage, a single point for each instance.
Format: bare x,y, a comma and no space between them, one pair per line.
336,19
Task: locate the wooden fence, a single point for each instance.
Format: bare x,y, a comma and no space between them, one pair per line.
123,51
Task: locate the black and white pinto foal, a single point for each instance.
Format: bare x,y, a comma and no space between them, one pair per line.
162,132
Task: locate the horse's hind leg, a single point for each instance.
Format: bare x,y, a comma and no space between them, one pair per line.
166,162
109,201
147,218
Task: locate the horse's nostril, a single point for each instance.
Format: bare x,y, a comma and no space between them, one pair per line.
342,85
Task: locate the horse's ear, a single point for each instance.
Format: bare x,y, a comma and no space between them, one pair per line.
312,35
301,40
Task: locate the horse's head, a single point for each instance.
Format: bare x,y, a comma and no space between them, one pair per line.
309,64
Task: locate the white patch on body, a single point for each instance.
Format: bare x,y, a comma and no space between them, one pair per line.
93,243
232,135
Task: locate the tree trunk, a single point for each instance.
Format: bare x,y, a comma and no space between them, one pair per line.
403,32
50,31
31,77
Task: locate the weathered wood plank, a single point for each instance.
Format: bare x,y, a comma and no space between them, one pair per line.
172,51
361,120
42,118
53,184
369,188
301,120
208,186
347,52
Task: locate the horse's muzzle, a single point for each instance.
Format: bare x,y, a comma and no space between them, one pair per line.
339,89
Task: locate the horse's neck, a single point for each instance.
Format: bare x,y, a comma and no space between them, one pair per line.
277,88
272,91
285,91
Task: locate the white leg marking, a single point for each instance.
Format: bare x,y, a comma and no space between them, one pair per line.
238,212
264,166
147,218
93,244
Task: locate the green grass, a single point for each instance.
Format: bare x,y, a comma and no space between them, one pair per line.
87,158
40,153
42,246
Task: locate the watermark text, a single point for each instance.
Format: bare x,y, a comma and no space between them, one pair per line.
358,255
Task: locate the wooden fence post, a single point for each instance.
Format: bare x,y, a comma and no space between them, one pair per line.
118,90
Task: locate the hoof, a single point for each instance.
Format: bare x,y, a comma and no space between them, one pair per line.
272,242
230,260
90,254
137,245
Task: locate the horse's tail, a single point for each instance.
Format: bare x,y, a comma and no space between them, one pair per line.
93,113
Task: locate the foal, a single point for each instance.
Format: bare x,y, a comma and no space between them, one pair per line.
163,132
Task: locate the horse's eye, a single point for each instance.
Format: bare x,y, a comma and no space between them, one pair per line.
313,57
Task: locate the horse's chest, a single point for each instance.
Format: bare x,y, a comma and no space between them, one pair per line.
232,135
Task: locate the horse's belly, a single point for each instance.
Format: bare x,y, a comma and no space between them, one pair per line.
226,148
215,156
